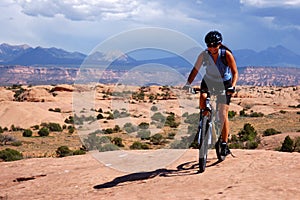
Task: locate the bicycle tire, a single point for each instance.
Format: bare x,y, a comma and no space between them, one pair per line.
218,150
203,145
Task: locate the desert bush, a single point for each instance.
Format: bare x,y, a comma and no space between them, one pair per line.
27,133
10,155
156,139
71,129
158,117
63,151
139,145
154,108
118,141
108,131
129,127
143,125
270,131
116,129
287,145
43,132
108,147
231,114
79,152
99,116
144,134
54,110
1,130
171,135
256,114
247,133
4,139
170,121
54,127
192,118
69,120
297,144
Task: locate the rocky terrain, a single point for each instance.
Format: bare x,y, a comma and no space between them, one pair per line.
169,174
33,75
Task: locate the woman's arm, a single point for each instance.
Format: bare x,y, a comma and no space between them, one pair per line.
232,64
195,69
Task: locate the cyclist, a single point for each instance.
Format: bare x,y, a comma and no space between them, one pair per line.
221,72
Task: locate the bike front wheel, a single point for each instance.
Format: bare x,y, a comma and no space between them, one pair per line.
203,144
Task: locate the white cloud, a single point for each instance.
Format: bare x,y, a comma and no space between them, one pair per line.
270,3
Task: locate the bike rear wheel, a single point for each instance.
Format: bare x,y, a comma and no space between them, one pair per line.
203,144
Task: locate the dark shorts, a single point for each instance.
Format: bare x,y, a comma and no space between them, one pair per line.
218,88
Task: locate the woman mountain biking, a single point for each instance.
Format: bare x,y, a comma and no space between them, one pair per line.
221,73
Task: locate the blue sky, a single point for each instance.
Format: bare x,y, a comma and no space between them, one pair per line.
80,25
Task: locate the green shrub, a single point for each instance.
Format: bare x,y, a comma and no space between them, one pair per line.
192,118
158,117
54,127
139,145
154,108
247,133
79,152
118,141
16,143
10,155
63,151
71,129
144,125
287,145
156,139
43,132
231,114
108,131
108,147
170,121
116,129
144,134
129,127
270,131
255,114
27,133
99,116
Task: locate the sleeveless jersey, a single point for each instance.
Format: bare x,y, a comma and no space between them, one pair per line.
219,70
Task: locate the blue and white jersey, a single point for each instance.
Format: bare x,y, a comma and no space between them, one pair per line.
217,71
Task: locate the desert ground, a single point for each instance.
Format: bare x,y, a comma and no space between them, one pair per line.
252,174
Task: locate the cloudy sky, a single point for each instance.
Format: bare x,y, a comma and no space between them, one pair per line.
80,25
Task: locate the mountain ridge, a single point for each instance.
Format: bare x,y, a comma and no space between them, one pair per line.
277,56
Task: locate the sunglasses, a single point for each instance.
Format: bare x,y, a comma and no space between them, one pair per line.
214,45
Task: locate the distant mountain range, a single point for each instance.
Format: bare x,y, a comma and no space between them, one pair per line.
25,55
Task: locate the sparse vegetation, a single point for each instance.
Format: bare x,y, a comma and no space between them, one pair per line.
247,138
290,145
43,132
27,133
10,155
139,145
270,131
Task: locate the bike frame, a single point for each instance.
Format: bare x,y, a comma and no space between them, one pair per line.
209,130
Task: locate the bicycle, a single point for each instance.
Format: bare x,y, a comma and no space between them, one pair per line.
209,129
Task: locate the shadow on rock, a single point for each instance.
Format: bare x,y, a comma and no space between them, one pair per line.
188,168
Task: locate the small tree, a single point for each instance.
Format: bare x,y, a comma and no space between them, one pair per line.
63,151
27,133
43,132
156,139
270,131
287,145
247,133
10,155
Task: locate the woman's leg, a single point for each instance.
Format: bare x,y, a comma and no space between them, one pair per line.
223,114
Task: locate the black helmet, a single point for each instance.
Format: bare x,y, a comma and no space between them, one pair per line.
213,37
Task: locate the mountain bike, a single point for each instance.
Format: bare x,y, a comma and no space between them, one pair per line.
209,129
